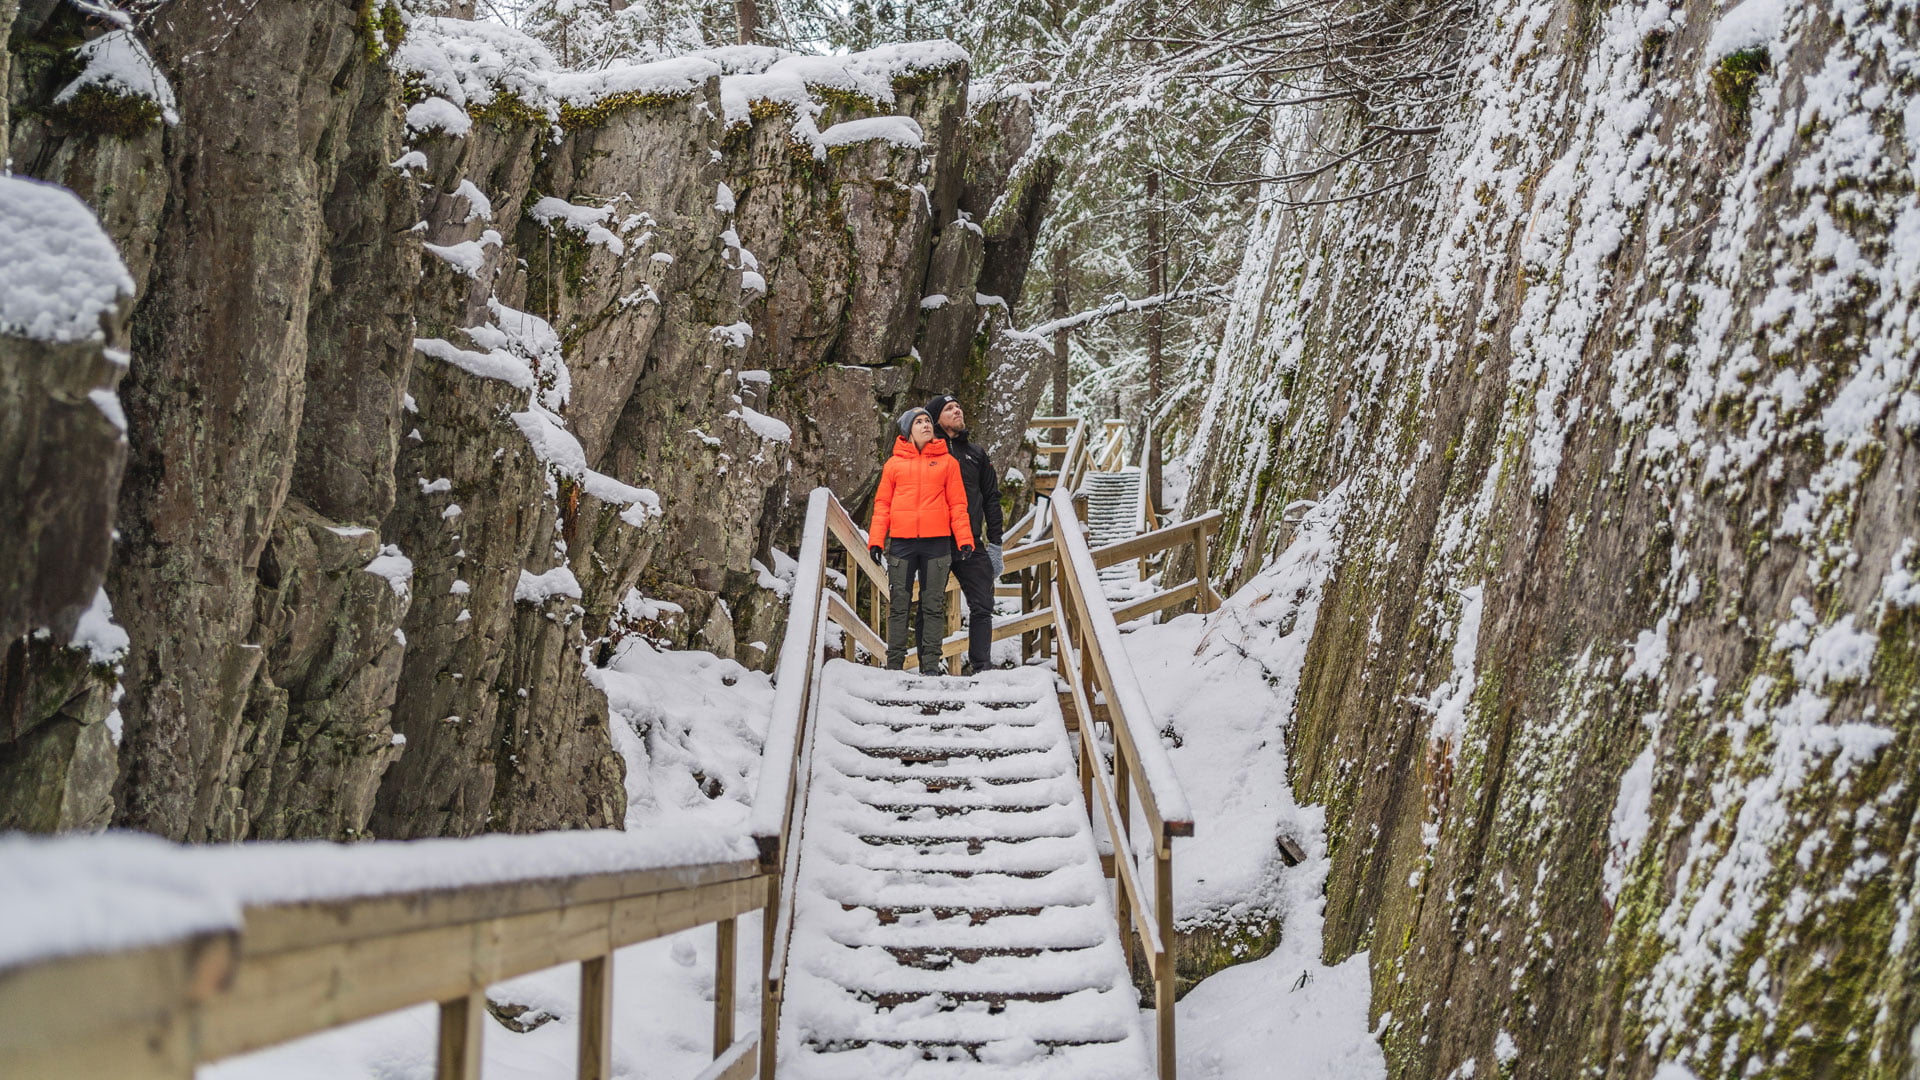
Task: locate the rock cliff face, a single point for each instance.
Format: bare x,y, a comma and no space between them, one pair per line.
1610,428
444,361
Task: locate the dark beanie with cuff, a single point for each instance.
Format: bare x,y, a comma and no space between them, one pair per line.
937,405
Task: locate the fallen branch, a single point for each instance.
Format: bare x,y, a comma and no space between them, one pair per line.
1116,307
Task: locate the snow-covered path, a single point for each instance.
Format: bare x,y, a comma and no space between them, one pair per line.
950,917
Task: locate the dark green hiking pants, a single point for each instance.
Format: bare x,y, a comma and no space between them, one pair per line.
925,561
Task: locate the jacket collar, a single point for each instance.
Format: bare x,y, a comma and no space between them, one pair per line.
903,447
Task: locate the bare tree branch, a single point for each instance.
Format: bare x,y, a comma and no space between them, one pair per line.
1121,306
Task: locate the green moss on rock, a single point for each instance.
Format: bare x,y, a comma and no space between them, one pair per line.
382,26
599,112
1734,78
97,110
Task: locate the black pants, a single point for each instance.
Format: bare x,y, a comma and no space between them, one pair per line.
976,584
925,560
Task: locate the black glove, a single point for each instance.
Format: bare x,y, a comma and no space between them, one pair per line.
966,551
875,551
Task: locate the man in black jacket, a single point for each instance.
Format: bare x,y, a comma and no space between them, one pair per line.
976,575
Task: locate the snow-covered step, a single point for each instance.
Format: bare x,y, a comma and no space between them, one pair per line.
950,914
1034,856
997,1061
1116,503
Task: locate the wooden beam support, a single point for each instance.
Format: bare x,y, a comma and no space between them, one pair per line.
596,1018
458,1056
725,962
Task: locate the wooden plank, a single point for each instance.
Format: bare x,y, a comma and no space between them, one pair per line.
736,1064
156,1049
726,960
1117,720
280,996
854,539
1021,624
1028,555
645,918
1208,600
280,927
1160,601
1165,979
458,1055
847,619
124,1013
1041,551
770,975
596,1018
769,1025
1110,805
1131,909
1157,540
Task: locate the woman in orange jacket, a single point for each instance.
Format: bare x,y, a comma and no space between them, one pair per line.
920,521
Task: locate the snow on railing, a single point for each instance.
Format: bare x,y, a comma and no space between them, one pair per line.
1166,801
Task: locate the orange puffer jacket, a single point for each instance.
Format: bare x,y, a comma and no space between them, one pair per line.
920,495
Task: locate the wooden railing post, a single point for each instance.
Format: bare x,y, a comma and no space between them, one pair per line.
769,1002
1200,572
1122,846
725,950
1043,586
1165,969
460,1030
875,614
596,1018
1030,601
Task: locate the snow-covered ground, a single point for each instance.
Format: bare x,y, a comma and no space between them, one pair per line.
1224,684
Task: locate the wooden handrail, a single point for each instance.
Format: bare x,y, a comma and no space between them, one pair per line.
1120,551
1072,670
1089,652
297,968
1163,800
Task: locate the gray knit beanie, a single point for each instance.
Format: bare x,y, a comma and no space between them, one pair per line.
906,421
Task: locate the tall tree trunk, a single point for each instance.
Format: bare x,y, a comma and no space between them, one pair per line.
1060,336
749,15
1156,361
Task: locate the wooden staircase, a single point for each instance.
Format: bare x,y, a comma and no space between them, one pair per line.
943,907
951,917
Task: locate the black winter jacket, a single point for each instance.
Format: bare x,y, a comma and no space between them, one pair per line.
983,488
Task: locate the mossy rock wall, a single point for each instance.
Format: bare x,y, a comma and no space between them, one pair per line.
1623,397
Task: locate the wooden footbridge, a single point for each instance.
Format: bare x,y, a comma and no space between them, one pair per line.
957,876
